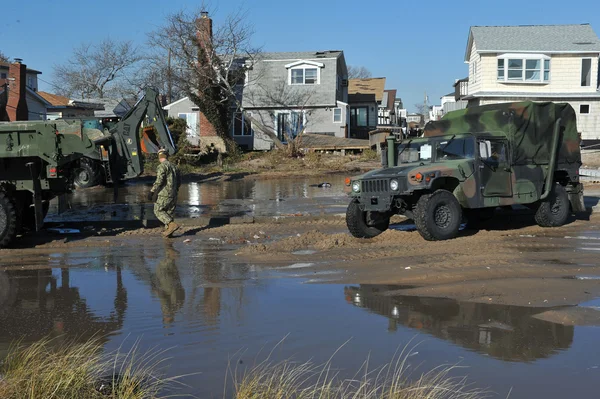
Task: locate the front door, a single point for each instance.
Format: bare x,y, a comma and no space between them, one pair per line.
494,168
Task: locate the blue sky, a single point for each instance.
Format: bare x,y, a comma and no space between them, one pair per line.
417,45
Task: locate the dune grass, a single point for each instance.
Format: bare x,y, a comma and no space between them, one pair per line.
51,369
395,380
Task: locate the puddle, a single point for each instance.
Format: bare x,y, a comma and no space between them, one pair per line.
582,277
296,266
205,309
270,197
305,252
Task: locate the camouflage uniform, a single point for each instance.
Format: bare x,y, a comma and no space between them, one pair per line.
166,186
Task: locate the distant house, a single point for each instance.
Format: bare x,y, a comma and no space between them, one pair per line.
557,63
449,103
364,98
386,112
186,109
18,86
416,119
61,107
113,108
289,93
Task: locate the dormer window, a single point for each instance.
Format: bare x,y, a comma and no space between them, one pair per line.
304,73
523,68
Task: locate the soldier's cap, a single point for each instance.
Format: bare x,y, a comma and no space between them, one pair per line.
162,153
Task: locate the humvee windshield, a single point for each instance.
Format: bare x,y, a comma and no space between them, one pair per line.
415,151
455,148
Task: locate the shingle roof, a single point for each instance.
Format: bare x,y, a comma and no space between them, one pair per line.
534,38
54,99
367,86
300,55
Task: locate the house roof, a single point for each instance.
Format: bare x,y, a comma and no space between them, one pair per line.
112,107
303,55
54,99
391,98
533,38
367,86
449,95
6,65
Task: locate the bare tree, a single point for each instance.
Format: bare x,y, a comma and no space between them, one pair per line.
94,70
4,57
290,102
358,72
209,68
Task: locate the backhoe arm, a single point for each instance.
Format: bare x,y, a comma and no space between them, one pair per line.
127,144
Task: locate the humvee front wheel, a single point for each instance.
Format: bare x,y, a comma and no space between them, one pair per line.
363,224
438,216
8,220
554,210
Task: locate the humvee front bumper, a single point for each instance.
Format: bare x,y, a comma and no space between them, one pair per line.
376,195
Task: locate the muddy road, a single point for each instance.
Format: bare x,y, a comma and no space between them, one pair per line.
514,303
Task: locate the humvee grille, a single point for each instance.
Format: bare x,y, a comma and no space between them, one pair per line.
375,186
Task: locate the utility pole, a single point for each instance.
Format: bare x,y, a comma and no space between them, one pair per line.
425,108
169,80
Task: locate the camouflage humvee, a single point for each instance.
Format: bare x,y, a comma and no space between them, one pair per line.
471,162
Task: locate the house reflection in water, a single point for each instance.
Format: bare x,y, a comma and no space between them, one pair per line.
508,333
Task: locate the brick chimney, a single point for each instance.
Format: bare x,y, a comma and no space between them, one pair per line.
205,31
16,107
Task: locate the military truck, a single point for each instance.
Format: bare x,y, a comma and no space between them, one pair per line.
37,159
469,163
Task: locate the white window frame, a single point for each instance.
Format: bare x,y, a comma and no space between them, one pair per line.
542,58
591,69
589,109
341,115
304,65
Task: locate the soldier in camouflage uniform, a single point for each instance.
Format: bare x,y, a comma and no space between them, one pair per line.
164,193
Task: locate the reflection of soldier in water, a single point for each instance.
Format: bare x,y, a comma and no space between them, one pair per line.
166,284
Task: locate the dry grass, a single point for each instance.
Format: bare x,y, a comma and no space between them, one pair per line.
396,380
54,370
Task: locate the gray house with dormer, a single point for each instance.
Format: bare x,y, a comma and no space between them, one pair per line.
292,93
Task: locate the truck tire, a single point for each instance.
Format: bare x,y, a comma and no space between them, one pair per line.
554,210
8,220
356,220
87,174
438,216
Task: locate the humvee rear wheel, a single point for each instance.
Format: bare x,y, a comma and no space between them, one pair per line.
365,224
438,216
554,210
8,220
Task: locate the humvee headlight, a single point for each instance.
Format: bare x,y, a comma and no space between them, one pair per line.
394,185
356,186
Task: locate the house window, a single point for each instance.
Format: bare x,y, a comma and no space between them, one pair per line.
529,69
515,69
586,72
584,109
3,75
241,125
289,125
305,76
359,117
337,115
501,69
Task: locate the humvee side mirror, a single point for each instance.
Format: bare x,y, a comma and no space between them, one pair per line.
485,149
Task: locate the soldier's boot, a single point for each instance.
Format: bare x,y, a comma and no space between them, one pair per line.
171,228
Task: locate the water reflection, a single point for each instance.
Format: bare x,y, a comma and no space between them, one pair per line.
39,303
504,332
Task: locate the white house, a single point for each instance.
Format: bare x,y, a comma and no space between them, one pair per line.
557,63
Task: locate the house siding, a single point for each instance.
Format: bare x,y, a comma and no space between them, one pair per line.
37,110
475,74
187,107
565,76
